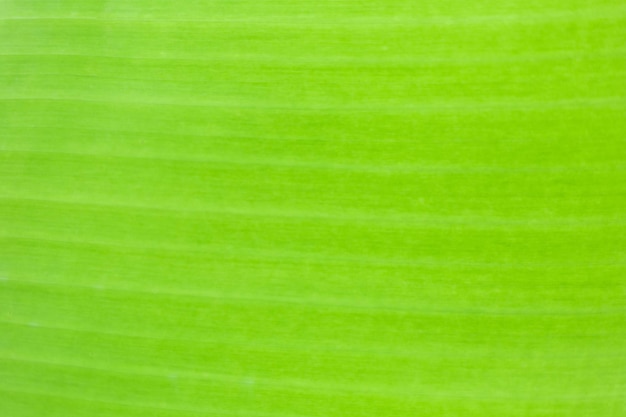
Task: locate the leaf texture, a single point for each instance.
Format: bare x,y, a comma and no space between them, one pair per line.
312,209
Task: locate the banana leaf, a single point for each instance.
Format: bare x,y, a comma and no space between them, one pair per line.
313,209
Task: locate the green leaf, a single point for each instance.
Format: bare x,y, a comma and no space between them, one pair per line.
312,209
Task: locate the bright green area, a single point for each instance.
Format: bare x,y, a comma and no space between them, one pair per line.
289,208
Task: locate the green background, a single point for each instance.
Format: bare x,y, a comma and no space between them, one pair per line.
313,208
